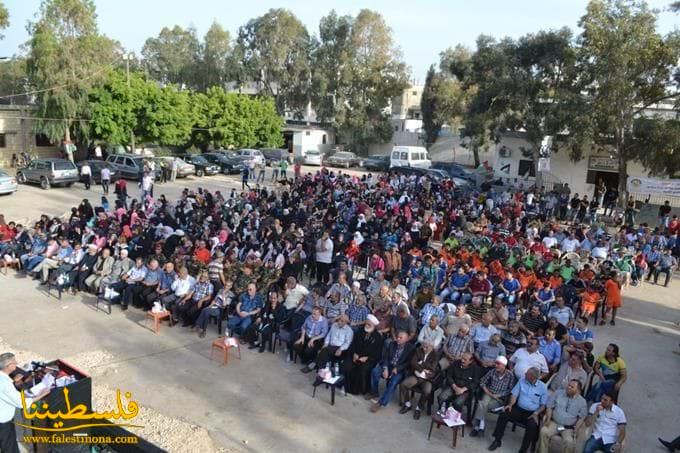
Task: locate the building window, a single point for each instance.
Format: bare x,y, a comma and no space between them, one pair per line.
323,139
526,166
42,140
3,141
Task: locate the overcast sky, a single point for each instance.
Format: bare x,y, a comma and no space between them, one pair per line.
420,28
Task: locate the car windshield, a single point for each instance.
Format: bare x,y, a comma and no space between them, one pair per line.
344,155
199,159
312,153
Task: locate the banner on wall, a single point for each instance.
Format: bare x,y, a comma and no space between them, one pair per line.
669,187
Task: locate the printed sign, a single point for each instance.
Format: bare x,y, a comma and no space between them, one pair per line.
668,187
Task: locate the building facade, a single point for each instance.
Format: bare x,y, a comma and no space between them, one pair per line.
17,135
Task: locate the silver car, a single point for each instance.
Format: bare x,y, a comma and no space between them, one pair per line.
48,172
8,183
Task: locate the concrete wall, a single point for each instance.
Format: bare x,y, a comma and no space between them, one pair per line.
19,135
312,139
400,138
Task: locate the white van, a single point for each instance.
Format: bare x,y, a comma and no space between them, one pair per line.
410,156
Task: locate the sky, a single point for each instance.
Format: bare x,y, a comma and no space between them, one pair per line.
421,29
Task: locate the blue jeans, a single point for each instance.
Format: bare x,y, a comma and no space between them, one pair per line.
205,315
392,383
239,325
593,445
600,389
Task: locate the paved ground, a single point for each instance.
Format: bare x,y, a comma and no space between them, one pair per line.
263,403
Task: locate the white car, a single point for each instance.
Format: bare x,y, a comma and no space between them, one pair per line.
313,158
8,183
251,155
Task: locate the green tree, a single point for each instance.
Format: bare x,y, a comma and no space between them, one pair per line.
626,66
235,120
167,116
67,57
173,56
358,70
216,56
273,50
115,106
443,102
4,18
13,79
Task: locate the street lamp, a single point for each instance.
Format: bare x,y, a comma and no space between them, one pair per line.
127,57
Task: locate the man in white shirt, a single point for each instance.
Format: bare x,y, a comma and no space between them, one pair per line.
609,426
549,241
529,357
324,257
147,185
570,244
86,174
181,291
105,175
295,294
10,401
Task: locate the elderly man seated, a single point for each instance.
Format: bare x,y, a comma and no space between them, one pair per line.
250,304
483,331
432,333
313,331
529,357
527,403
423,368
496,385
455,346
513,338
392,367
569,371
337,342
404,322
488,351
454,319
462,380
565,414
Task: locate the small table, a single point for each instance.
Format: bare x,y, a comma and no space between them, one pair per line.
221,344
439,421
157,318
340,382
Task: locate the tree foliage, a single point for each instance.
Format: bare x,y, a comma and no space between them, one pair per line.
626,66
67,57
115,107
4,18
235,120
173,56
357,71
215,54
273,50
13,80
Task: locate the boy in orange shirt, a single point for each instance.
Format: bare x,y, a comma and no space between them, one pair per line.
590,299
612,289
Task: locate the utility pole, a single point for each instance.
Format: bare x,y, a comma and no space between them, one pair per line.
127,72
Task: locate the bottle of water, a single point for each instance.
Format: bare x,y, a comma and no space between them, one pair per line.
336,370
442,410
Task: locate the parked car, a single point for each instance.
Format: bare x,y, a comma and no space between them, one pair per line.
201,164
273,156
49,172
455,170
96,167
228,164
184,169
130,166
313,157
377,163
8,183
251,155
342,159
462,184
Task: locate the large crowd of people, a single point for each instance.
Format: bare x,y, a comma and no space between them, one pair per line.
485,299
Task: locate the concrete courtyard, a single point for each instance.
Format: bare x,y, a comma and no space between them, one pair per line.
263,403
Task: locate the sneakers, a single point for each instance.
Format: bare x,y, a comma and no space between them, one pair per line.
416,414
404,409
376,407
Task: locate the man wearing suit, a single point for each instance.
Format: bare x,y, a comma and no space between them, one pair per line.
392,366
423,367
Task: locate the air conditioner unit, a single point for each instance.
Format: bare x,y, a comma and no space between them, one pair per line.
505,152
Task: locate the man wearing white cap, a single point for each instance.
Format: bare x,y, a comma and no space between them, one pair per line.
364,353
496,385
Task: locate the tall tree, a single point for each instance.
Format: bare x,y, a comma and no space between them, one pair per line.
358,70
273,50
67,57
216,55
4,18
13,80
626,67
173,56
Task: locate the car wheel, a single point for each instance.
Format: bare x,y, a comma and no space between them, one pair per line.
69,184
199,172
21,178
44,183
